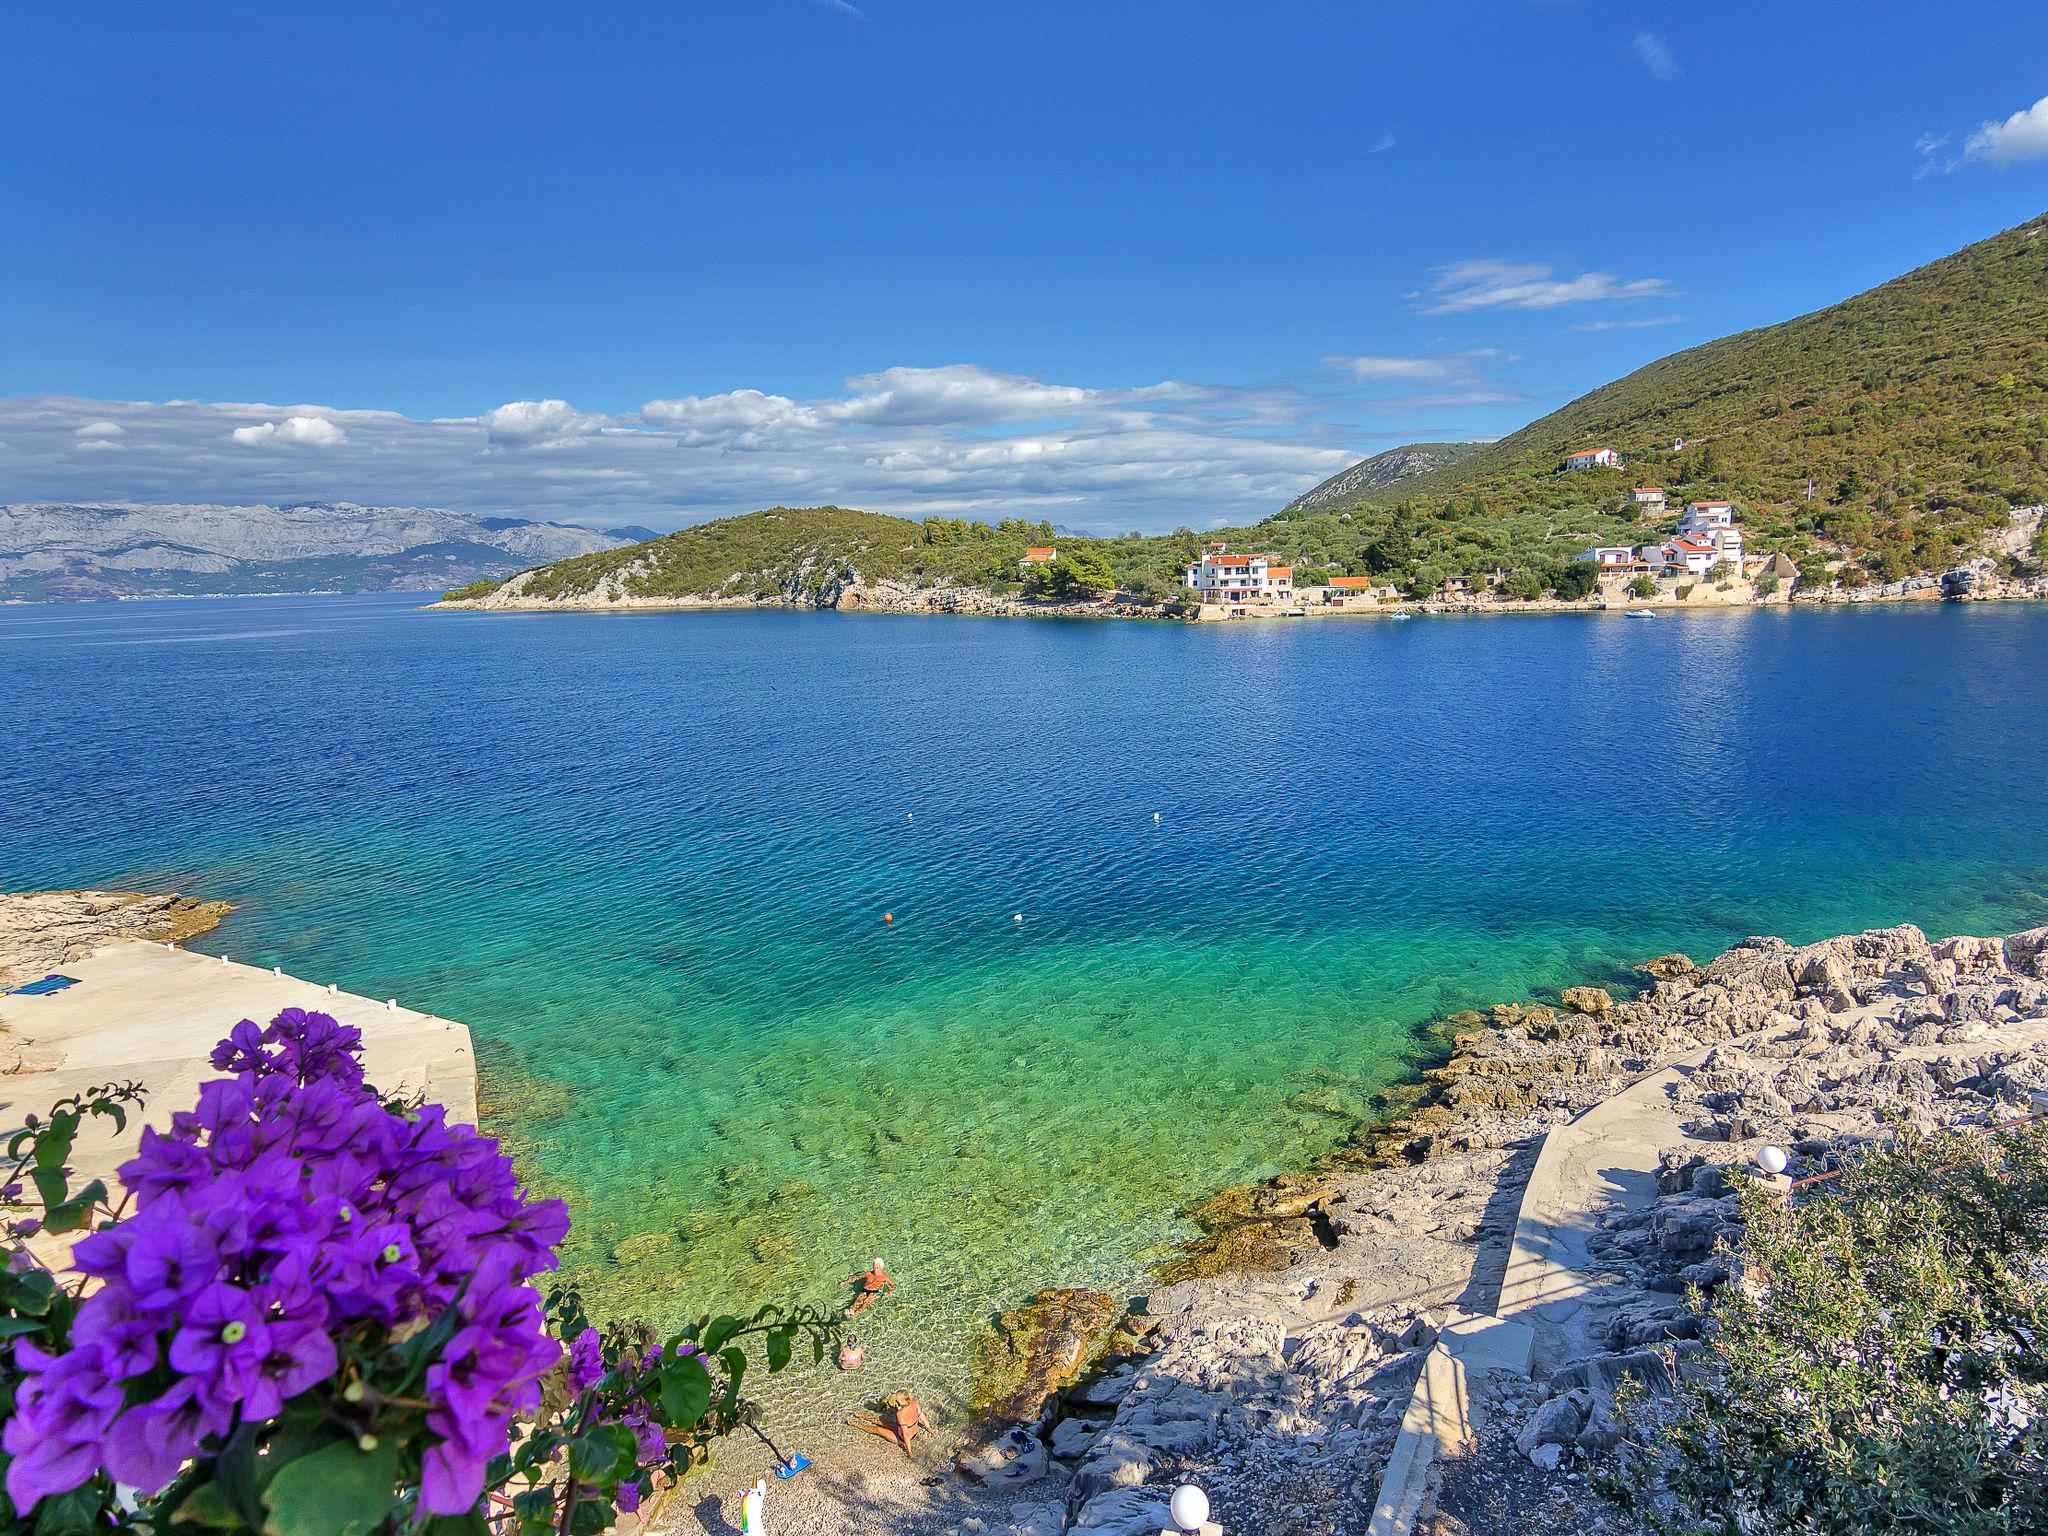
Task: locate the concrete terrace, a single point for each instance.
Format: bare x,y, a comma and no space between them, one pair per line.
151,1013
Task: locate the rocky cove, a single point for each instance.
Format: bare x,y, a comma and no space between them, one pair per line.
1558,1180
1561,1180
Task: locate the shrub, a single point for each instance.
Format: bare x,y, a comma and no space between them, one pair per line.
1643,586
318,1317
1878,1369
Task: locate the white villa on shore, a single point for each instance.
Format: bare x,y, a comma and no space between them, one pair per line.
1648,496
1707,536
1221,577
1044,554
1593,458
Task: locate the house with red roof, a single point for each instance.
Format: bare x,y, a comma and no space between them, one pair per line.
1222,579
1593,458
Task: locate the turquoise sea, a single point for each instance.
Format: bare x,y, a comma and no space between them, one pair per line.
647,857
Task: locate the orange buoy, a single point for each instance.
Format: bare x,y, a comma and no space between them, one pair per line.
888,917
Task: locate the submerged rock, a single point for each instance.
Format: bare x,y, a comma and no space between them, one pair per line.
1035,1350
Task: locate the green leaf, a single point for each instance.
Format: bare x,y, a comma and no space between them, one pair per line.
51,1185
15,1327
53,1146
778,1349
721,1329
77,1513
685,1391
735,1360
339,1491
209,1506
471,1524
602,1454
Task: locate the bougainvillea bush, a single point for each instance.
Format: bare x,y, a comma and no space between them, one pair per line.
312,1309
1882,1366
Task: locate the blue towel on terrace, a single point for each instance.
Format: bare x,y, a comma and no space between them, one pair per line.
46,985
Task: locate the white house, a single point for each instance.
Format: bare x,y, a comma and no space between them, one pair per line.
1647,496
1043,555
1694,556
1610,556
1727,542
1221,577
1702,515
1593,458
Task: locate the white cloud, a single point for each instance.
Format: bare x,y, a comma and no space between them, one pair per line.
314,431
844,5
1655,54
99,429
2020,138
1495,284
958,440
1373,368
1630,325
530,423
958,393
1384,143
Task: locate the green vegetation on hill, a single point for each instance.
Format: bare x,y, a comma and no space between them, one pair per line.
1883,436
795,552
1894,429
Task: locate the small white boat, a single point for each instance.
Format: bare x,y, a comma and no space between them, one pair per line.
1641,613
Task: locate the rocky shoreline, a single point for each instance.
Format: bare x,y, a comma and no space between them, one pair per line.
1280,1384
41,930
1965,584
1276,1362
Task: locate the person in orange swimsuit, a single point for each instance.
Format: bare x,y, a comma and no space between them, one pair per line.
900,1421
871,1283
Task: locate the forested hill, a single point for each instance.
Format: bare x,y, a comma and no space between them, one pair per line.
1885,435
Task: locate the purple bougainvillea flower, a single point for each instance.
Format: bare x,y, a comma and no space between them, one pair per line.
586,1361
288,1210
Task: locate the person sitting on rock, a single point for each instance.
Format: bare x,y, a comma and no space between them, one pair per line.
871,1283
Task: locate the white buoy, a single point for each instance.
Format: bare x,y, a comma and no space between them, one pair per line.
1772,1160
1189,1507
908,817
1016,917
1155,815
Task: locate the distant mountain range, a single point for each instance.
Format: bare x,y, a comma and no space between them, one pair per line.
60,551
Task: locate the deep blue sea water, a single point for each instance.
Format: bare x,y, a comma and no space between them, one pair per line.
646,858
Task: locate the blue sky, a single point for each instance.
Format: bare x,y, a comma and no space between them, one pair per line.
1119,265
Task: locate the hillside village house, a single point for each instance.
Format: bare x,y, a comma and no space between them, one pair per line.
1043,555
1648,496
1593,458
1352,592
1221,577
1707,536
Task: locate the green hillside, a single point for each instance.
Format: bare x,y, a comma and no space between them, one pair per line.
1883,436
1912,414
794,552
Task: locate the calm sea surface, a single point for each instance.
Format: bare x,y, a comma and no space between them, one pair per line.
646,858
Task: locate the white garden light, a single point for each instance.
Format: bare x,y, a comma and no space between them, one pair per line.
1189,1507
1772,1160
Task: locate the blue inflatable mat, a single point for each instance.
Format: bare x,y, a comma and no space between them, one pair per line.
47,985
